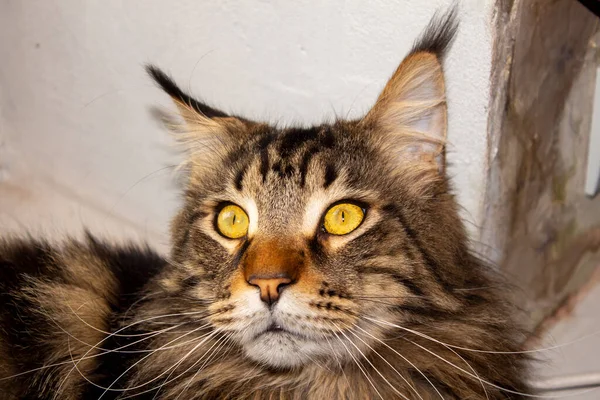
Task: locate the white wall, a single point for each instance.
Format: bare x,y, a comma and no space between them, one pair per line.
74,99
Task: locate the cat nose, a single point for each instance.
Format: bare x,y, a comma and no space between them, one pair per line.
271,265
270,286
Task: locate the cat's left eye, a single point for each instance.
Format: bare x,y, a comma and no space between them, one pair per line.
343,218
232,222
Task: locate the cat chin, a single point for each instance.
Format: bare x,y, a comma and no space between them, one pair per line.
284,350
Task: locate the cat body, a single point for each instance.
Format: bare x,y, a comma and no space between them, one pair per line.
327,262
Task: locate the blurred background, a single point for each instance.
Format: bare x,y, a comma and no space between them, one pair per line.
79,145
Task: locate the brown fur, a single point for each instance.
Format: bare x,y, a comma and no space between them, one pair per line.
397,308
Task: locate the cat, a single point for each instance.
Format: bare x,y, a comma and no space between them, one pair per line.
327,262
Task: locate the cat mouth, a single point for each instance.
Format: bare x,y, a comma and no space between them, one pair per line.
275,328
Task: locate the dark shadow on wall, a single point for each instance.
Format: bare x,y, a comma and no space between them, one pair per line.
536,212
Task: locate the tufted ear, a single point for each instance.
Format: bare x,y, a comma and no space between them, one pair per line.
184,102
411,110
206,132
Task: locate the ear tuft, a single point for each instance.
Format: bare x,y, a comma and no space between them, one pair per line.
205,133
439,34
170,87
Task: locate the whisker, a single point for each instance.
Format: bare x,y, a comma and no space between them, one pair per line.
492,384
105,351
75,366
337,359
147,334
392,297
492,351
202,367
387,362
85,356
318,364
471,368
142,321
371,364
471,289
135,303
177,364
110,387
359,365
481,381
57,391
404,358
166,380
467,372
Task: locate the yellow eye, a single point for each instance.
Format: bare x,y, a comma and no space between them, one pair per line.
232,222
343,218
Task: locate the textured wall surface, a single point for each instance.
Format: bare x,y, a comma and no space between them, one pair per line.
74,99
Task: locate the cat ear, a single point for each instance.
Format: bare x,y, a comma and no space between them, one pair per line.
205,132
184,102
411,110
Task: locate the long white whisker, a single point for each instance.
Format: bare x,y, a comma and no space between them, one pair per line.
166,380
387,362
202,366
371,364
129,326
337,359
103,331
469,365
110,387
84,356
75,364
470,374
176,365
465,361
405,359
135,303
318,364
75,367
471,368
359,366
105,351
507,352
147,335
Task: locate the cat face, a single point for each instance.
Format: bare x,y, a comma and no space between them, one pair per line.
304,243
290,286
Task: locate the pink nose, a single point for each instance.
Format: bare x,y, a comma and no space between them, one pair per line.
270,287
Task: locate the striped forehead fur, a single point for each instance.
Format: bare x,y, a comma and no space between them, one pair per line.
289,153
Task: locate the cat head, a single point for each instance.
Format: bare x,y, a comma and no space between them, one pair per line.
297,240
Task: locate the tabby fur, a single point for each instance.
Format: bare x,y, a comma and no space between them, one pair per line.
400,308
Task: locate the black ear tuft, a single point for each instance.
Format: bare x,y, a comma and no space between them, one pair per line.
169,86
439,34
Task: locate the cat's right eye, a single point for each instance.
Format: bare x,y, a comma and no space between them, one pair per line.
232,222
343,218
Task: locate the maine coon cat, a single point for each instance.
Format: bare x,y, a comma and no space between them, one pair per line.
326,262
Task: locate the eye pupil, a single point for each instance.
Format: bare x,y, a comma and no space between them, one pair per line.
343,216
